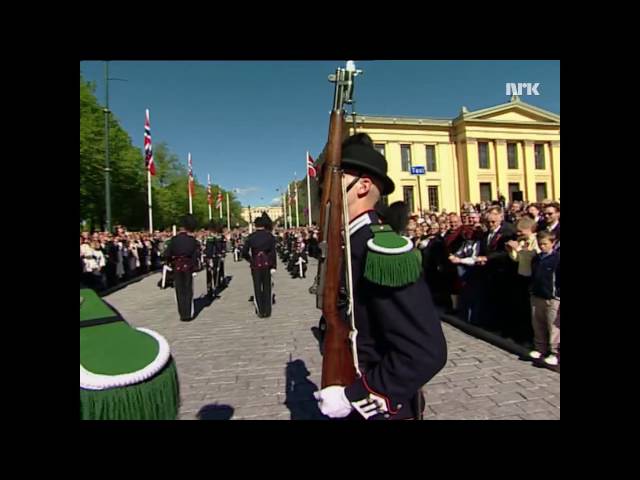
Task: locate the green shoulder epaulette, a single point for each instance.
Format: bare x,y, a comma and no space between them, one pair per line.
391,260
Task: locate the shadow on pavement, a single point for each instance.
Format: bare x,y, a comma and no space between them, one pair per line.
299,393
205,300
215,412
200,304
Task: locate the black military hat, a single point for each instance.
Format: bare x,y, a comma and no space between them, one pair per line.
396,215
259,222
188,222
268,223
359,155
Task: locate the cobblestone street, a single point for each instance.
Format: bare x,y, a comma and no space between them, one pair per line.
234,365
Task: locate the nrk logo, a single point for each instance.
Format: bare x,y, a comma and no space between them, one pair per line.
518,88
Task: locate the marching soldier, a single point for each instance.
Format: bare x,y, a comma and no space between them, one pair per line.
260,251
399,344
219,279
182,253
301,258
211,253
167,273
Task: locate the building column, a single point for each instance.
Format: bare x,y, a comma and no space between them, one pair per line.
392,154
418,159
501,167
457,194
529,171
471,150
463,179
554,159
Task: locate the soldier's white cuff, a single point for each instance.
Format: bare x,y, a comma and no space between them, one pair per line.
370,406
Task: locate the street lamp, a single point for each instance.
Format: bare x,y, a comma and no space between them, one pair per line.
107,177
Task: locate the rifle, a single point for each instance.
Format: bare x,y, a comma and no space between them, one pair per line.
338,367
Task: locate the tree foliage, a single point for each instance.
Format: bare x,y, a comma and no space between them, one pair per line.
129,177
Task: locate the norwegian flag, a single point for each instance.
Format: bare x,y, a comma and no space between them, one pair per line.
209,194
311,170
148,152
219,201
191,181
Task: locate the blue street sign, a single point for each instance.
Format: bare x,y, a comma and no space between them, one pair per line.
417,170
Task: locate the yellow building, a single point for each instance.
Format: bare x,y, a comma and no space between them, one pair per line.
273,212
512,147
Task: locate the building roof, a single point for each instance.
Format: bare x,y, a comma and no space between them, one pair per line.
537,115
514,112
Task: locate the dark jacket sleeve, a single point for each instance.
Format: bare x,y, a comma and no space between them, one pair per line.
196,252
245,250
500,257
557,285
273,258
417,349
167,252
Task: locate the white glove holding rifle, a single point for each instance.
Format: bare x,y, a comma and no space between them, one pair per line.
333,402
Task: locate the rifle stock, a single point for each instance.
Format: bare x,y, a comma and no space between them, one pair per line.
337,361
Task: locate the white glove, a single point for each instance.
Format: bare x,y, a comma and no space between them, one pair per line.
273,271
333,402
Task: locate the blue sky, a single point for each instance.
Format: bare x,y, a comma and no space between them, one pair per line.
249,124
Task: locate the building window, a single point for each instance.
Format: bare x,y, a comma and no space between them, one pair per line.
541,192
408,197
483,154
405,154
379,147
432,193
431,158
539,156
513,187
485,192
512,155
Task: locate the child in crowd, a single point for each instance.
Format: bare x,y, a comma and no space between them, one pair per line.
522,251
545,300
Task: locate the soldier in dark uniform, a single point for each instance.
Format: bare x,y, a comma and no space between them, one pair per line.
399,345
182,253
210,255
260,251
219,280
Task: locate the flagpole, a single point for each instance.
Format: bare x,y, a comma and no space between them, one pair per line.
308,192
228,217
290,216
297,206
284,210
149,200
286,201
148,154
209,196
220,206
190,176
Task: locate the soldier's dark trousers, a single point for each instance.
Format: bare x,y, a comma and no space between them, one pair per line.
220,272
183,282
210,272
262,291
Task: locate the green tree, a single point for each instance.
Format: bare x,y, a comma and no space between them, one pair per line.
128,203
129,177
